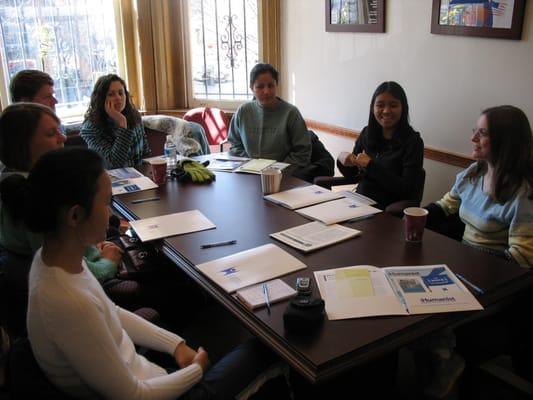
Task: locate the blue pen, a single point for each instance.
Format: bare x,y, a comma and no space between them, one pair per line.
475,288
267,297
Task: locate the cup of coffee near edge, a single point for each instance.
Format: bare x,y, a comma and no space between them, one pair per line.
271,180
159,171
414,223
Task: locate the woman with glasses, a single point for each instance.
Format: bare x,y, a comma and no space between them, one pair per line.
494,196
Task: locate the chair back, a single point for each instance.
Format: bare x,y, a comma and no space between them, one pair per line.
25,378
213,120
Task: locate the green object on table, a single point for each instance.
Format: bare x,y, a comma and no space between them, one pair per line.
192,171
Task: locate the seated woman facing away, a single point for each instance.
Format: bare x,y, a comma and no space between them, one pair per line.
494,196
267,126
113,126
388,154
82,341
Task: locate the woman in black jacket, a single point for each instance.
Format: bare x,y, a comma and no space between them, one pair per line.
388,154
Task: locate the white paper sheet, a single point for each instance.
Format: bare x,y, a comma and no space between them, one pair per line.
171,225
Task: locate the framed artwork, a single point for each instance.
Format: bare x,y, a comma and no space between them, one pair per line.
484,18
355,15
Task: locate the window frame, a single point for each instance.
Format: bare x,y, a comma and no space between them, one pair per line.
222,104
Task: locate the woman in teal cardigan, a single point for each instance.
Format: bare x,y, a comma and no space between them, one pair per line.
27,131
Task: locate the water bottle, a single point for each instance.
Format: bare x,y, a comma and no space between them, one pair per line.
170,154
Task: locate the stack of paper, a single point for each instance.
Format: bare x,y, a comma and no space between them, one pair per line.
303,196
250,266
128,180
314,235
254,296
171,225
255,166
339,210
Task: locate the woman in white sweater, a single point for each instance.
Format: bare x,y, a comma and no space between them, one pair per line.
83,342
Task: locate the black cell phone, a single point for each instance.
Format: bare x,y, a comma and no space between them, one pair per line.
303,286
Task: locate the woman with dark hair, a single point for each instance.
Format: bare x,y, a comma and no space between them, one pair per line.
267,126
388,154
113,126
494,195
83,342
27,132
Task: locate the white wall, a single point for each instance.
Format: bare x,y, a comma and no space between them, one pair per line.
448,79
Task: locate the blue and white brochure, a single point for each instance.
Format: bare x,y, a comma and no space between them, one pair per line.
364,291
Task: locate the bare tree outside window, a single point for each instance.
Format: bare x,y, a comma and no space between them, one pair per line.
72,40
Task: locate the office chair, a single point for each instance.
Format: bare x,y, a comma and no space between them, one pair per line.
25,378
395,208
322,163
215,123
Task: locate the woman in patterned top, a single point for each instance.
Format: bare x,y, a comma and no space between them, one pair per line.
113,126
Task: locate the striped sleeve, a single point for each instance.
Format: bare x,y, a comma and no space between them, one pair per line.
146,148
521,233
450,203
114,149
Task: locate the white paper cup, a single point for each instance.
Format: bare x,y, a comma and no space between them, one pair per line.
271,180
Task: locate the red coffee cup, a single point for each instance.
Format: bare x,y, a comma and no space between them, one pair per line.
159,171
414,222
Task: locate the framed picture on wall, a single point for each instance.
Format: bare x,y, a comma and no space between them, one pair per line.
355,15
484,18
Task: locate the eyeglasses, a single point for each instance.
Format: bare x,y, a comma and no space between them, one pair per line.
480,132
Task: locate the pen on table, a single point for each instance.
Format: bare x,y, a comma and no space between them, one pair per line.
267,298
217,244
475,288
144,200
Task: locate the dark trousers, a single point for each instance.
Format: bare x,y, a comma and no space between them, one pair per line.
233,373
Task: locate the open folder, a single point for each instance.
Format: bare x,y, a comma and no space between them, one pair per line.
128,180
364,291
250,266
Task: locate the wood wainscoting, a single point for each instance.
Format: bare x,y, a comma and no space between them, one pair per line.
430,153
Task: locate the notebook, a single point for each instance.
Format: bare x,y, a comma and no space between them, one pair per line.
254,297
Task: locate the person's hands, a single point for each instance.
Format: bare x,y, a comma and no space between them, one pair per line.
110,251
184,355
115,114
201,358
346,159
362,160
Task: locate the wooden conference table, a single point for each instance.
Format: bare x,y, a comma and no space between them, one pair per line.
234,204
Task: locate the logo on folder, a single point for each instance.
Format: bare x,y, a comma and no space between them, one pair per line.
229,271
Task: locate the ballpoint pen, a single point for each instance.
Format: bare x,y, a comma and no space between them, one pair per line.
138,201
217,244
475,288
267,298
